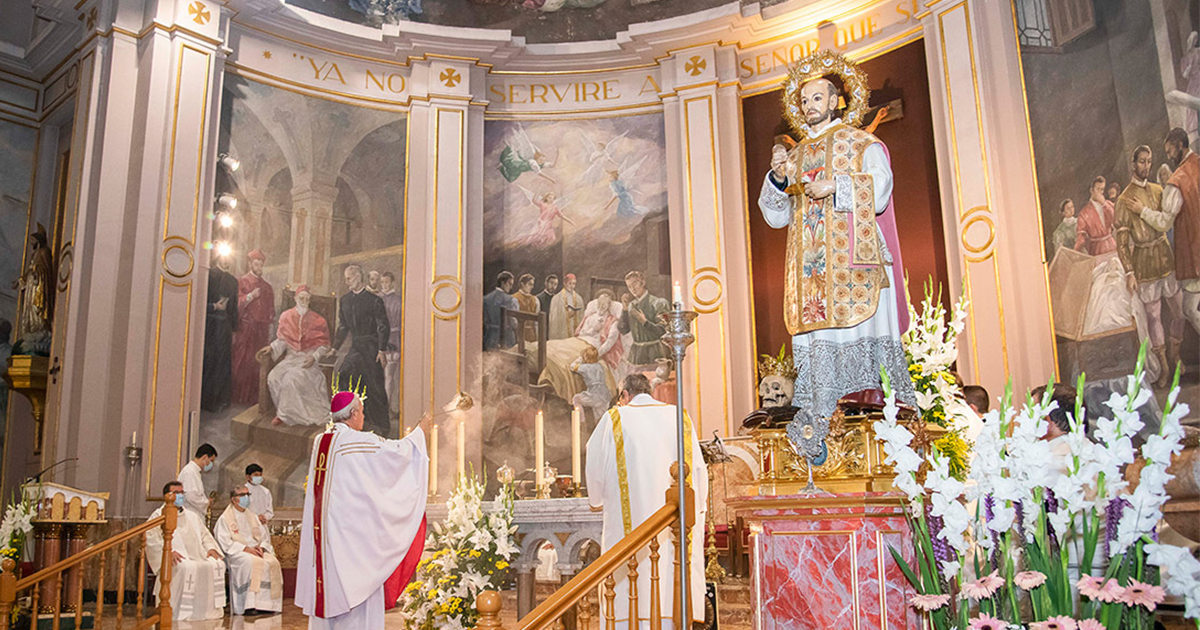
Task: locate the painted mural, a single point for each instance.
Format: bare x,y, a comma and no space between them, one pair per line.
576,268
310,287
1118,183
538,21
18,146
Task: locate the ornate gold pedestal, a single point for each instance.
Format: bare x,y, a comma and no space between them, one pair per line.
855,462
26,375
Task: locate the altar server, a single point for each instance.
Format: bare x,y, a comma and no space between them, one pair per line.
198,575
195,499
628,474
364,520
255,577
261,502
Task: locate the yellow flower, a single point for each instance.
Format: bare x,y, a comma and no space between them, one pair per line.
501,564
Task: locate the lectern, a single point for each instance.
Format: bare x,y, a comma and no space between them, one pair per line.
60,528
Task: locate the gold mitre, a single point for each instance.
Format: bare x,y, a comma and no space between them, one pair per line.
820,64
781,365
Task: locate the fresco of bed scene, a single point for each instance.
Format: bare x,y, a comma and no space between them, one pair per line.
576,269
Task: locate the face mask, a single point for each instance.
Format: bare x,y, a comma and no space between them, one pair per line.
244,501
208,466
178,500
256,480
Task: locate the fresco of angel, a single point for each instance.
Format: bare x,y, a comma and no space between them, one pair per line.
550,207
599,155
521,156
622,193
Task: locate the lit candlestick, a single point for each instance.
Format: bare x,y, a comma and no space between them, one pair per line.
433,460
539,449
677,295
462,448
576,418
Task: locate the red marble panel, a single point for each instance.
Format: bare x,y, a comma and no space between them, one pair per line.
830,567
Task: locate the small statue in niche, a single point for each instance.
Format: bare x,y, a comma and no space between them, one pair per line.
37,290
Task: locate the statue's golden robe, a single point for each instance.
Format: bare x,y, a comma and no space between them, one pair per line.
835,264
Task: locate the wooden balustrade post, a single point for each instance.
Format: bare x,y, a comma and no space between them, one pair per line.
632,580
655,595
165,569
488,603
610,596
8,591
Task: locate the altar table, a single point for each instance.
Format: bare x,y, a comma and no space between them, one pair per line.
822,561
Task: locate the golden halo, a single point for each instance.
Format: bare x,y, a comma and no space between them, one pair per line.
819,64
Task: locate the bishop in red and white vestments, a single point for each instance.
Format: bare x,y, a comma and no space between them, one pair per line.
364,521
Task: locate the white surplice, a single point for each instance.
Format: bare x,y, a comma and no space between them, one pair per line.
194,498
648,430
261,502
254,582
197,581
373,507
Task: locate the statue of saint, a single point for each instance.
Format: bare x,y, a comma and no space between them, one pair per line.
37,289
844,304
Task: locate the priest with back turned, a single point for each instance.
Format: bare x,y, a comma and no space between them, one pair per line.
364,520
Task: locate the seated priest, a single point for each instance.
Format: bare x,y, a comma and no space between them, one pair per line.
629,459
255,577
198,576
364,520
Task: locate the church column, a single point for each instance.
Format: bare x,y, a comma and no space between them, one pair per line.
140,187
709,232
443,249
312,204
982,133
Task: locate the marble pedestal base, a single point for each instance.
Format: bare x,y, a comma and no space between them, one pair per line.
823,561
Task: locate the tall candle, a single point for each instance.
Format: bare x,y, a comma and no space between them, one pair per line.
462,448
539,448
676,294
576,418
433,460
133,440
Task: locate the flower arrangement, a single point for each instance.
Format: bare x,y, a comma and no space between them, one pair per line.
931,346
1044,547
472,552
15,527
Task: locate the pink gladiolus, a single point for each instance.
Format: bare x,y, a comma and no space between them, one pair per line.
1029,580
984,587
1055,623
1090,624
985,622
1089,586
1140,594
928,603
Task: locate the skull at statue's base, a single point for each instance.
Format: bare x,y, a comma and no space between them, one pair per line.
776,391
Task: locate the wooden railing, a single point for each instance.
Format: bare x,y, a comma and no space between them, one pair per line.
50,580
549,614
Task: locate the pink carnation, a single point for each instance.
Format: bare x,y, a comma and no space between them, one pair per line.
1054,623
1090,624
1140,594
1029,580
983,588
928,603
985,622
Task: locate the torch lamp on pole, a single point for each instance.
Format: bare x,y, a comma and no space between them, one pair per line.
678,337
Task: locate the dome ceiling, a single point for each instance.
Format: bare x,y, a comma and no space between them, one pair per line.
538,21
